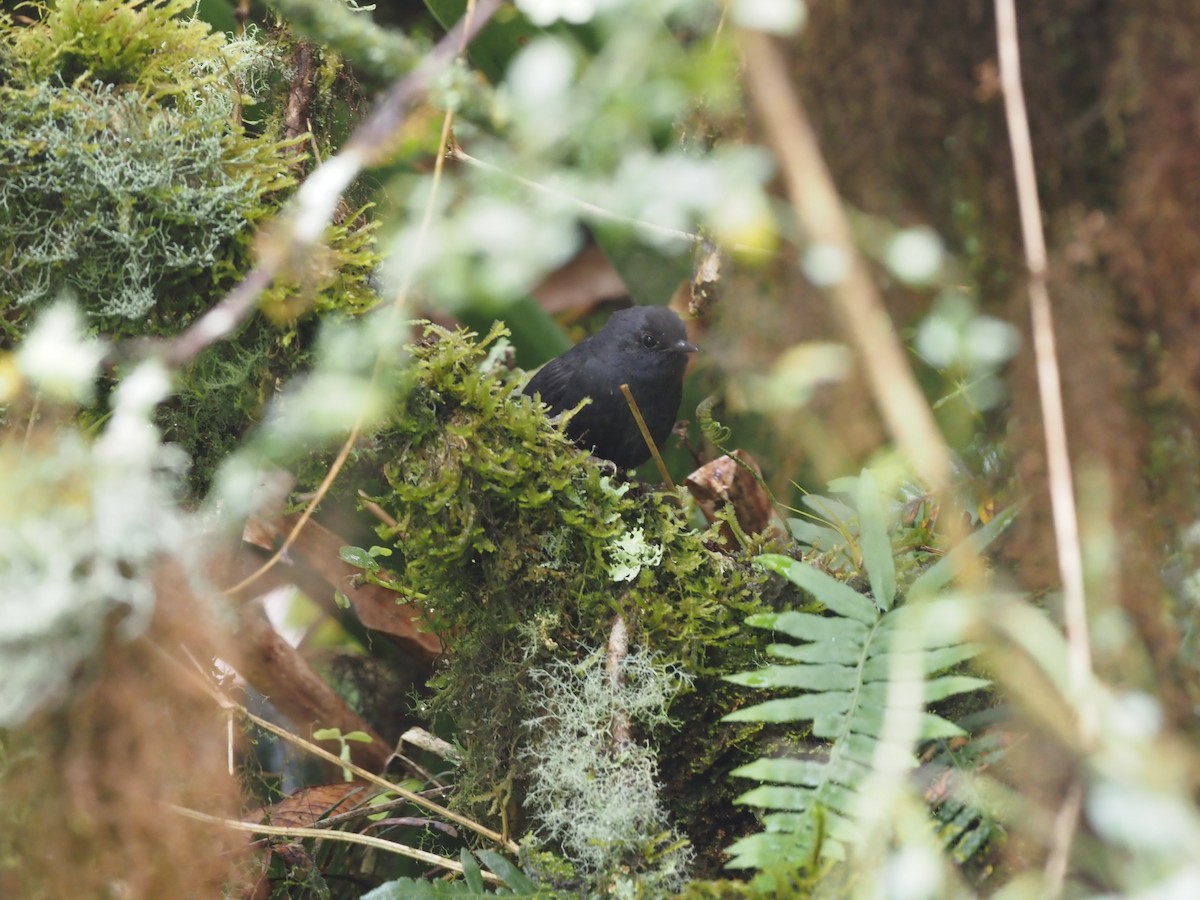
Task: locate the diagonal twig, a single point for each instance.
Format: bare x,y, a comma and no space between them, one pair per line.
463,31
823,219
313,207
1058,458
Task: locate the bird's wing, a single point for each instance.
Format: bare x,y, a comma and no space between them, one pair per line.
553,383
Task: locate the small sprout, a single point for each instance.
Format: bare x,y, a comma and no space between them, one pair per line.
359,557
335,734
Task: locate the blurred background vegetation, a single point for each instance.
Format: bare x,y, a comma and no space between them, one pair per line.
252,473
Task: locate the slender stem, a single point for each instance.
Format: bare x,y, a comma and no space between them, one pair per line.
196,674
376,780
349,837
1058,458
461,33
641,424
599,212
1066,820
315,202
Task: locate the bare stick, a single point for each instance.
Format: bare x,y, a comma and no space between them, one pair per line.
324,834
376,780
1066,820
1058,459
618,652
321,753
641,424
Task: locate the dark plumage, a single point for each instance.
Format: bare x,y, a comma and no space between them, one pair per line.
645,347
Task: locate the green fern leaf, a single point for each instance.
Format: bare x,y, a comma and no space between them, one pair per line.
838,677
876,545
839,672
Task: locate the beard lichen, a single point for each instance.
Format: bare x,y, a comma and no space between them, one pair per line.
140,152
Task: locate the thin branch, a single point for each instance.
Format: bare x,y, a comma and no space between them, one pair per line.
348,837
376,780
598,212
641,424
228,704
312,209
1058,459
618,652
1061,836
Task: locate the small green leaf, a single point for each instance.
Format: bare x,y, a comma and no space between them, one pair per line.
842,599
876,545
340,598
327,734
785,771
793,709
934,726
512,877
810,627
361,736
948,685
359,557
817,536
806,677
765,849
845,653
471,873
376,551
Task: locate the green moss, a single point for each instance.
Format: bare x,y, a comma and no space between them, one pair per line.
147,45
127,175
523,551
135,181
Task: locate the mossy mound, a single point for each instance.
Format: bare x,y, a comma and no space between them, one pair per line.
523,552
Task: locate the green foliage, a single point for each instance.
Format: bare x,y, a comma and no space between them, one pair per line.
966,825
133,178
146,45
840,677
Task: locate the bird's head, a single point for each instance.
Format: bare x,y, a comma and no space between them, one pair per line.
652,335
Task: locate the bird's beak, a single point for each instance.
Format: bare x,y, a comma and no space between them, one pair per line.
685,347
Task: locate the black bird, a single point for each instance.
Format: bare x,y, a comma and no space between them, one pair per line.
645,347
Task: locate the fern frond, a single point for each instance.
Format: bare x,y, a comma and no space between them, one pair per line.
841,672
836,674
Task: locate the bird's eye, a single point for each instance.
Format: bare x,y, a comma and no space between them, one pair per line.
649,341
